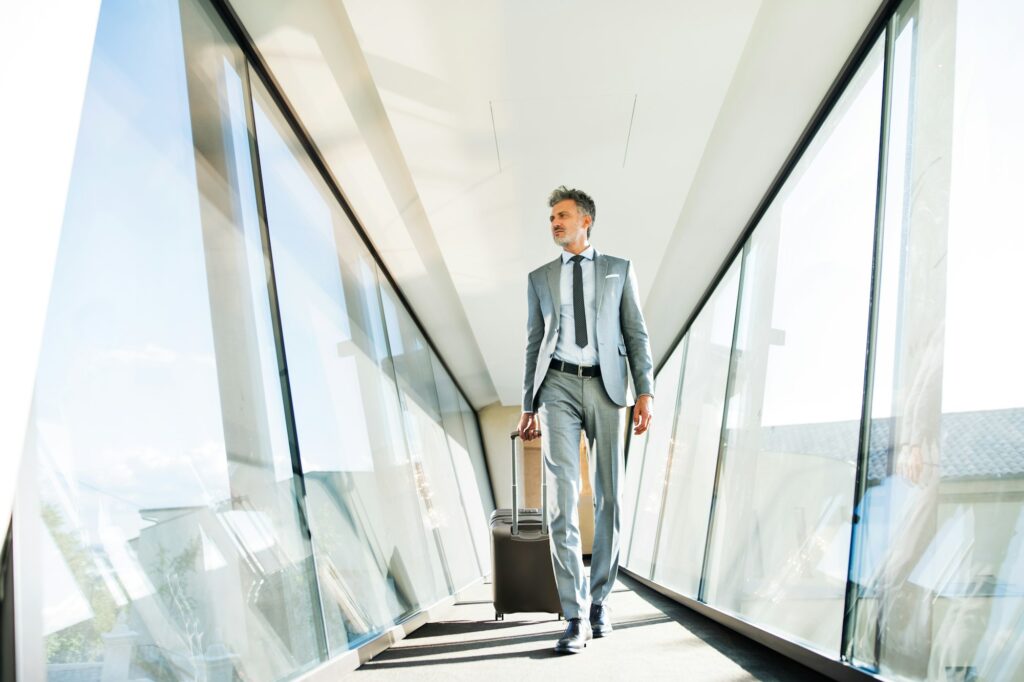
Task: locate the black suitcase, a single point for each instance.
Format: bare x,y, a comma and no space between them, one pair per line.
523,577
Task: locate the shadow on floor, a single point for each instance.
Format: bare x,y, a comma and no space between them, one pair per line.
467,627
443,629
489,640
753,657
413,656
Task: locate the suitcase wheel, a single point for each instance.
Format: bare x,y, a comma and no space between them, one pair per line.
499,616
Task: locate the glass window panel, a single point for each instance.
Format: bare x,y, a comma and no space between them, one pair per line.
939,557
377,559
172,543
462,459
475,446
634,467
651,479
428,443
694,455
781,528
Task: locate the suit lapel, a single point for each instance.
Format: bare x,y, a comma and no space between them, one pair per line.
555,285
600,271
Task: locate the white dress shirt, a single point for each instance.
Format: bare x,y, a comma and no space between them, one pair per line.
566,348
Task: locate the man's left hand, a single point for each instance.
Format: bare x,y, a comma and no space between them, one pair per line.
642,414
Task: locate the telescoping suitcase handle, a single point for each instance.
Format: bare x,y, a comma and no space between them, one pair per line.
515,493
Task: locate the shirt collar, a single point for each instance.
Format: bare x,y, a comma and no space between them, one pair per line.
588,254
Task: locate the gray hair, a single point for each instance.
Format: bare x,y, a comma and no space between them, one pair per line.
584,204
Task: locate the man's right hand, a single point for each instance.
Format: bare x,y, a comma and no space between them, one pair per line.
529,427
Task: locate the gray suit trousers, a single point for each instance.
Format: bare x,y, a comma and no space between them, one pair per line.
568,404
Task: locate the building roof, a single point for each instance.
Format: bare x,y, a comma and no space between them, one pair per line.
973,445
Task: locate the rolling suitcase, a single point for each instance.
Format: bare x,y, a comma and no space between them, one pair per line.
523,577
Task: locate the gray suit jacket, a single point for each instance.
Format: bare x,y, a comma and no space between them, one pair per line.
621,330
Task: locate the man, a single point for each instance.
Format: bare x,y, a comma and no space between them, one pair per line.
584,322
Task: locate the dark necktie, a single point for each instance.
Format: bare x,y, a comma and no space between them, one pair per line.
578,309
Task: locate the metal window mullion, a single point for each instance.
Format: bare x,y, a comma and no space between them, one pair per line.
298,477
8,665
864,438
730,383
480,439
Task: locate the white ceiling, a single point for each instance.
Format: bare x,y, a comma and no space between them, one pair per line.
447,124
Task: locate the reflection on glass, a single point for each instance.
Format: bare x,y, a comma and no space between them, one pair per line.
171,543
428,443
463,455
650,471
475,445
634,467
781,529
939,557
694,454
377,560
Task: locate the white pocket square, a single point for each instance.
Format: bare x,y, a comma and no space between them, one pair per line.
609,276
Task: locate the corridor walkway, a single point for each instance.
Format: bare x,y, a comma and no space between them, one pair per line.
654,639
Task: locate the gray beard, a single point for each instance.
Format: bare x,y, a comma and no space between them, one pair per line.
563,241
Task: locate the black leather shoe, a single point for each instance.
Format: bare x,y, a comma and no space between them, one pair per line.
575,637
600,621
